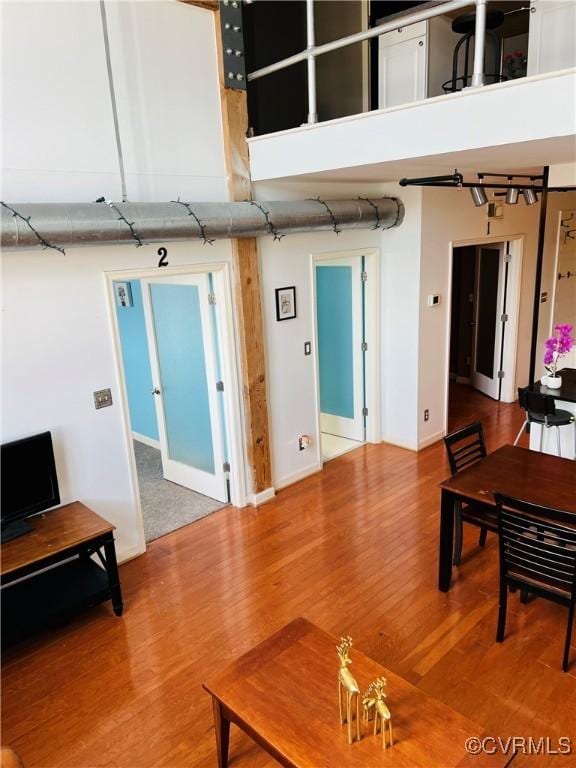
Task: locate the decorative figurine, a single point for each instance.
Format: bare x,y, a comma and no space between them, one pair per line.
347,681
373,700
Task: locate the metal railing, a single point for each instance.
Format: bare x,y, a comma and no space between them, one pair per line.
313,50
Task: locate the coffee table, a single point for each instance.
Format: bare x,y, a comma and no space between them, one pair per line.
284,695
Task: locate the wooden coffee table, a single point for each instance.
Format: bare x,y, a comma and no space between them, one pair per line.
284,695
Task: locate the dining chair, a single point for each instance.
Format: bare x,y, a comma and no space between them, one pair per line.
537,552
541,409
465,447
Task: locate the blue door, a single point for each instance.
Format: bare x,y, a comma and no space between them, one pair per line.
184,373
339,322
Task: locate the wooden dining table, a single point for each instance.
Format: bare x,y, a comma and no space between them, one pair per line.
518,472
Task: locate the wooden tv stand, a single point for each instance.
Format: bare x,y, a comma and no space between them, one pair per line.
67,538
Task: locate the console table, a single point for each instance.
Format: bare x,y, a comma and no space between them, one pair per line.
65,538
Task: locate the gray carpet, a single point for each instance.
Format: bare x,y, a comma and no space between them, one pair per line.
166,506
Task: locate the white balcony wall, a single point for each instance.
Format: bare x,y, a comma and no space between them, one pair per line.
523,122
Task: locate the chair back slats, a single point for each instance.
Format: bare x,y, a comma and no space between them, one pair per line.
465,446
535,402
537,544
540,549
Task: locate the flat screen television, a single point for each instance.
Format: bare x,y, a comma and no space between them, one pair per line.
28,482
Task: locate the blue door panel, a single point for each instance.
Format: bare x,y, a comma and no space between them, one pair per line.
181,359
335,351
136,360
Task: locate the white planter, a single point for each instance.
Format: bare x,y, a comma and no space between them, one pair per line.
554,382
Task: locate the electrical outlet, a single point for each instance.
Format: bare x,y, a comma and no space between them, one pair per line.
426,414
307,348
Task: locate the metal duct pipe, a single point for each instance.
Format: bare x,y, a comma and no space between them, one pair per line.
76,224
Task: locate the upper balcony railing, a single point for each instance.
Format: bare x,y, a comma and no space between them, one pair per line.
313,51
423,60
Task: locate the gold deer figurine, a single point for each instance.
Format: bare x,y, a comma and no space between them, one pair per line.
347,682
373,699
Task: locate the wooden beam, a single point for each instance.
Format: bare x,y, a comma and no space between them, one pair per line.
209,5
247,282
247,274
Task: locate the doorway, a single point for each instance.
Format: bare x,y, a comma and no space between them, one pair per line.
484,318
173,349
345,360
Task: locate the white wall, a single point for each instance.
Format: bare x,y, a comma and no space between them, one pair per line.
291,380
447,216
557,202
552,35
58,145
58,133
57,349
401,280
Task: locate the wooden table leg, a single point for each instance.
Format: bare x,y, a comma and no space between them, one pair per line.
446,540
222,730
113,576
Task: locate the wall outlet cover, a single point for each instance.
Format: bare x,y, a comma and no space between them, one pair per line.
102,398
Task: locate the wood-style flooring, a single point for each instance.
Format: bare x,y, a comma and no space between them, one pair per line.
354,549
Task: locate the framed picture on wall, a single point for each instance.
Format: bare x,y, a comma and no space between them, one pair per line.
286,303
123,294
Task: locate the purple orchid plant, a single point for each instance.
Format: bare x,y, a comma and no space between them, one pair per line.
557,346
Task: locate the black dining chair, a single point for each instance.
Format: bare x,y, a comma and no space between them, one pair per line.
538,553
541,409
465,447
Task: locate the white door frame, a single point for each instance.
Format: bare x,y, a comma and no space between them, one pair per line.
509,393
233,422
372,331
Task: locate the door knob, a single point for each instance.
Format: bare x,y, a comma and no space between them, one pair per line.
155,391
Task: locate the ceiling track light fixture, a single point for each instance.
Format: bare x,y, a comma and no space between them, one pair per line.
512,193
478,193
478,189
529,193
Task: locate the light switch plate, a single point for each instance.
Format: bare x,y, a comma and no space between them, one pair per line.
102,398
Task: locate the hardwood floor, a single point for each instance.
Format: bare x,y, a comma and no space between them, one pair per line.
354,550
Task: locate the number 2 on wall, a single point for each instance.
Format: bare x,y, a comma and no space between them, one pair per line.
163,253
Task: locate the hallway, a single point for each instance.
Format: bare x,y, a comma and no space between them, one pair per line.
466,404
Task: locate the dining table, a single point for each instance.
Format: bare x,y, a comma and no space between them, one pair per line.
518,472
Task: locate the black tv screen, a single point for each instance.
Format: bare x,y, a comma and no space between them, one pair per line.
28,479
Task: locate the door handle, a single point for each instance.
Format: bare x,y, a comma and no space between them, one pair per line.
155,391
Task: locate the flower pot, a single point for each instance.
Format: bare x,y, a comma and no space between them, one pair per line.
544,380
553,382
